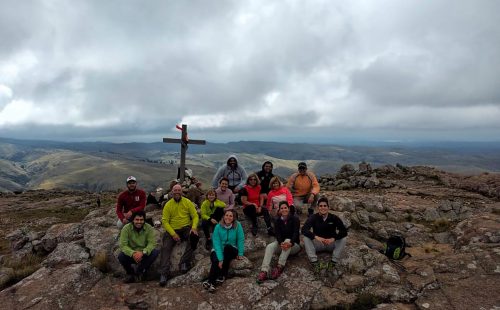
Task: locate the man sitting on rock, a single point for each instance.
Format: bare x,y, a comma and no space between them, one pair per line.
138,246
328,234
304,187
180,221
129,201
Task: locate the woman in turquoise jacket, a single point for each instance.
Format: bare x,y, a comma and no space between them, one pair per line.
228,242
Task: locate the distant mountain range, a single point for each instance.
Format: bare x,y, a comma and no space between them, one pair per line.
96,166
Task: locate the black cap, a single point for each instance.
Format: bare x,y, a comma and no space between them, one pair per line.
302,165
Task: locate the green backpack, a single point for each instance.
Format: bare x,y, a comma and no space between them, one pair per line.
395,247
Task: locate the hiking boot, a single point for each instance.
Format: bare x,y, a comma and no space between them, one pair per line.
163,280
130,278
208,286
276,272
254,230
139,277
220,280
331,265
208,245
261,277
270,231
316,267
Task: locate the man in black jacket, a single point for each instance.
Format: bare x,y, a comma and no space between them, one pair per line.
328,233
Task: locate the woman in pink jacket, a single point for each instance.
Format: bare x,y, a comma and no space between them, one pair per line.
278,193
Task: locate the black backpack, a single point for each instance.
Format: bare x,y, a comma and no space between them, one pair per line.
395,247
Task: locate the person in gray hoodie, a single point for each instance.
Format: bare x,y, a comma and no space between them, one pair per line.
235,173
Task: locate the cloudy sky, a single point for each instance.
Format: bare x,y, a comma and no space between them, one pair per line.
311,71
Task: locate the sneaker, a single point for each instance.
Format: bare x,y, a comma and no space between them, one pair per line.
276,272
331,266
220,280
254,230
163,280
209,287
316,267
262,277
139,277
130,278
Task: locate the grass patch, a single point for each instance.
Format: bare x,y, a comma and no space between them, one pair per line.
495,211
64,214
365,301
22,267
440,225
100,261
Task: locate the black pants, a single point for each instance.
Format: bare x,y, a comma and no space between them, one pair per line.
251,212
230,253
143,265
207,225
168,244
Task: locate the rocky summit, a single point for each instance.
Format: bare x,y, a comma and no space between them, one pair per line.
59,251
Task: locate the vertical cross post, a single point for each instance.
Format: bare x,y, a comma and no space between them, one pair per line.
184,141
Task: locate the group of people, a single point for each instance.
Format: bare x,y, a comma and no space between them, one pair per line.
260,194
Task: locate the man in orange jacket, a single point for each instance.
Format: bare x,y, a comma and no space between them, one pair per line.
305,189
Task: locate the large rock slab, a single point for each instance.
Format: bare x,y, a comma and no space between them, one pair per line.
50,288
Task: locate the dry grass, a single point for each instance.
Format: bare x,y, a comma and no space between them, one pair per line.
100,261
441,225
22,267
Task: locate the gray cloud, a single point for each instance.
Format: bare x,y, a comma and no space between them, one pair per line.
119,69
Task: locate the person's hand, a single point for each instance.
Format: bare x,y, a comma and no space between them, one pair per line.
137,256
125,221
194,231
322,240
329,241
257,209
239,257
220,265
286,245
176,238
310,199
128,214
235,190
213,221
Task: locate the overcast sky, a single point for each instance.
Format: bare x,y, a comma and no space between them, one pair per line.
310,71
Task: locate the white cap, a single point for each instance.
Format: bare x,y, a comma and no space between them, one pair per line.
131,178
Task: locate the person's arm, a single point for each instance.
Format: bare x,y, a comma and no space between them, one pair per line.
289,197
165,220
241,239
218,175
217,244
119,208
243,178
231,200
289,182
342,229
315,185
151,239
194,215
306,229
269,200
205,210
296,229
124,244
278,230
244,197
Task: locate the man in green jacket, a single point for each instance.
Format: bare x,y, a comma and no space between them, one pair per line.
180,221
137,245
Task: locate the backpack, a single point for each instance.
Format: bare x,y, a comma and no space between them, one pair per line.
395,247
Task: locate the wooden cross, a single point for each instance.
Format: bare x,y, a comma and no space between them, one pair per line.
184,141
